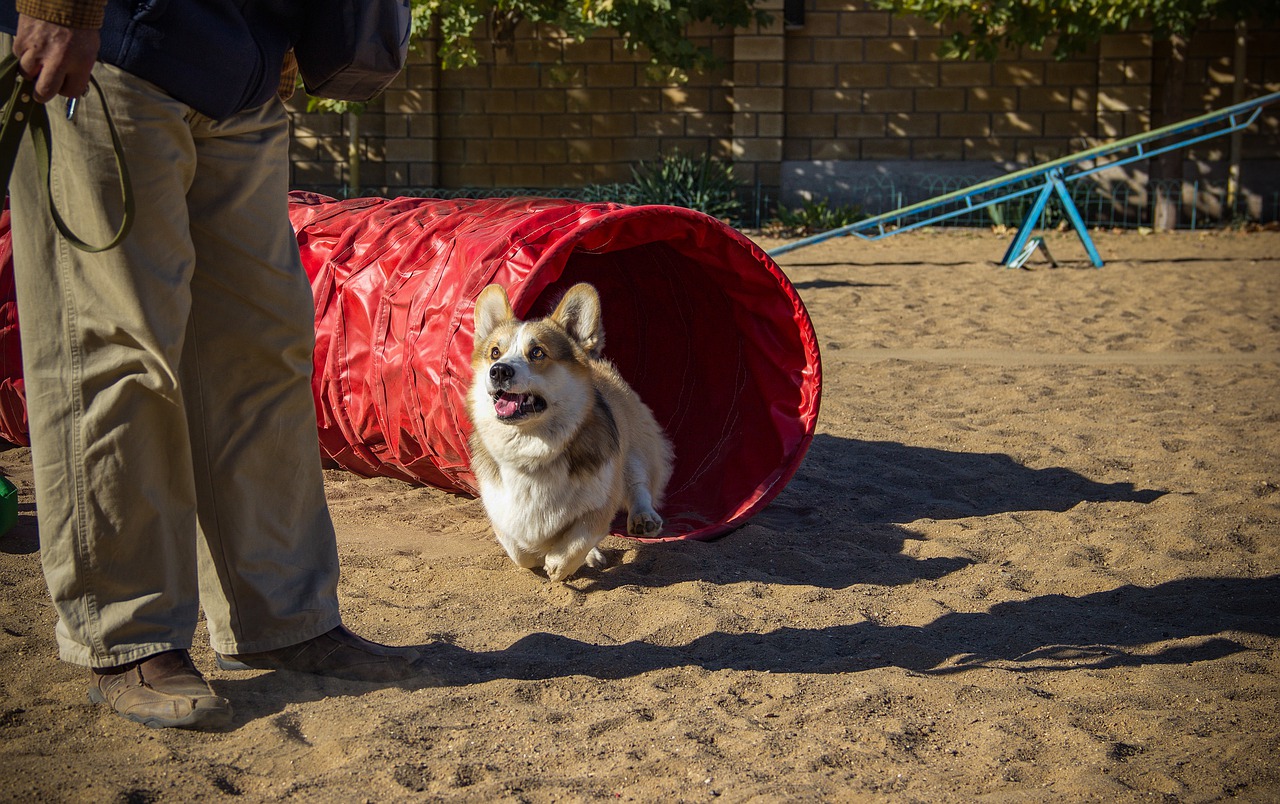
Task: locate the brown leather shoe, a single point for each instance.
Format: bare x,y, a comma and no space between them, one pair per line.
161,691
337,654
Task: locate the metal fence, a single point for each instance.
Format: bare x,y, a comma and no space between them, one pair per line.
1102,204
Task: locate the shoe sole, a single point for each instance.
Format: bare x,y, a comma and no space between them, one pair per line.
198,719
227,663
413,670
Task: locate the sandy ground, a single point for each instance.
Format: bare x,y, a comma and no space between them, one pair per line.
1033,554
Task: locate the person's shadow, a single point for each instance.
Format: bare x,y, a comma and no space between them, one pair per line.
1182,619
1178,622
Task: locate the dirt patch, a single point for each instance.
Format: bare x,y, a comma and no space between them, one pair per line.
1034,552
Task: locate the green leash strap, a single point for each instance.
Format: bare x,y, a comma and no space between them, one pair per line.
23,113
18,108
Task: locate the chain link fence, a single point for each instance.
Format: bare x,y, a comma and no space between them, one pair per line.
1111,205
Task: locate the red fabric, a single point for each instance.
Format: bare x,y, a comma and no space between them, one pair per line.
701,322
13,396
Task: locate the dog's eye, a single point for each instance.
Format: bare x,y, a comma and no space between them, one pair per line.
537,353
495,353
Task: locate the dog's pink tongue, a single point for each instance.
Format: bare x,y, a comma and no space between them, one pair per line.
507,405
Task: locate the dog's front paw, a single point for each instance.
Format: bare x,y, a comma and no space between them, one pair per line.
558,569
596,559
644,523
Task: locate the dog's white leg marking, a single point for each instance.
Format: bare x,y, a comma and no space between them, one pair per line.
571,551
642,520
522,558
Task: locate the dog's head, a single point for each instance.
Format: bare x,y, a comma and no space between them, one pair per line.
529,367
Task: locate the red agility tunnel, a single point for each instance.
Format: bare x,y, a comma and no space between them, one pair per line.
13,399
698,319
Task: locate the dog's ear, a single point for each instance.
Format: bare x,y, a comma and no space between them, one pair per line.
579,313
492,308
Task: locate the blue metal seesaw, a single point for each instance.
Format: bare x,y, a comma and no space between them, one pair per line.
1046,180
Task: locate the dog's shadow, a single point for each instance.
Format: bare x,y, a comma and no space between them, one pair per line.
842,518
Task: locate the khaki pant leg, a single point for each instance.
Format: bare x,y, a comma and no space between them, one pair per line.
102,336
269,558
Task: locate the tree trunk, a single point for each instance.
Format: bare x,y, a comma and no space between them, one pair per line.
1167,171
353,154
1231,203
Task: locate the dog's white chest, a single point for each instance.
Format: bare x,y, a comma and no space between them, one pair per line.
532,506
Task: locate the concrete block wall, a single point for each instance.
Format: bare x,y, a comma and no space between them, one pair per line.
852,92
553,112
560,113
870,100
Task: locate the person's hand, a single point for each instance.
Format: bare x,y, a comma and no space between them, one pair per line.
58,59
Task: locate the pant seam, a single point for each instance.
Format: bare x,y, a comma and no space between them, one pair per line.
84,556
210,530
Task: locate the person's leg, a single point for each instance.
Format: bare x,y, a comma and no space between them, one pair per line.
269,561
102,338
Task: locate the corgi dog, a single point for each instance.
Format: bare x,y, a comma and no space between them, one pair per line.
560,442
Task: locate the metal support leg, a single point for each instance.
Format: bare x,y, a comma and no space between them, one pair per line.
1017,252
1028,225
1077,222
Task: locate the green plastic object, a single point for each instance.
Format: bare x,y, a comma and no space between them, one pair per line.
8,505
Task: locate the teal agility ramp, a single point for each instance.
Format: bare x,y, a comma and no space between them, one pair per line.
1043,182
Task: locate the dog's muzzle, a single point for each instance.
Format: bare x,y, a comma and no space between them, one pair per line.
500,376
508,405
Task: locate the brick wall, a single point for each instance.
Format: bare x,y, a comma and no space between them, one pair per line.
851,92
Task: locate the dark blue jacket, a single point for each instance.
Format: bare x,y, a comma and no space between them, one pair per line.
217,56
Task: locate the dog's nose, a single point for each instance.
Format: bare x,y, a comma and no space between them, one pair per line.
501,373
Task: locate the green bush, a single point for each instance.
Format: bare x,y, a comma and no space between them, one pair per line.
704,184
814,216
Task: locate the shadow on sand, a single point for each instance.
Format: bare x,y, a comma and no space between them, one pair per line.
1172,623
842,517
